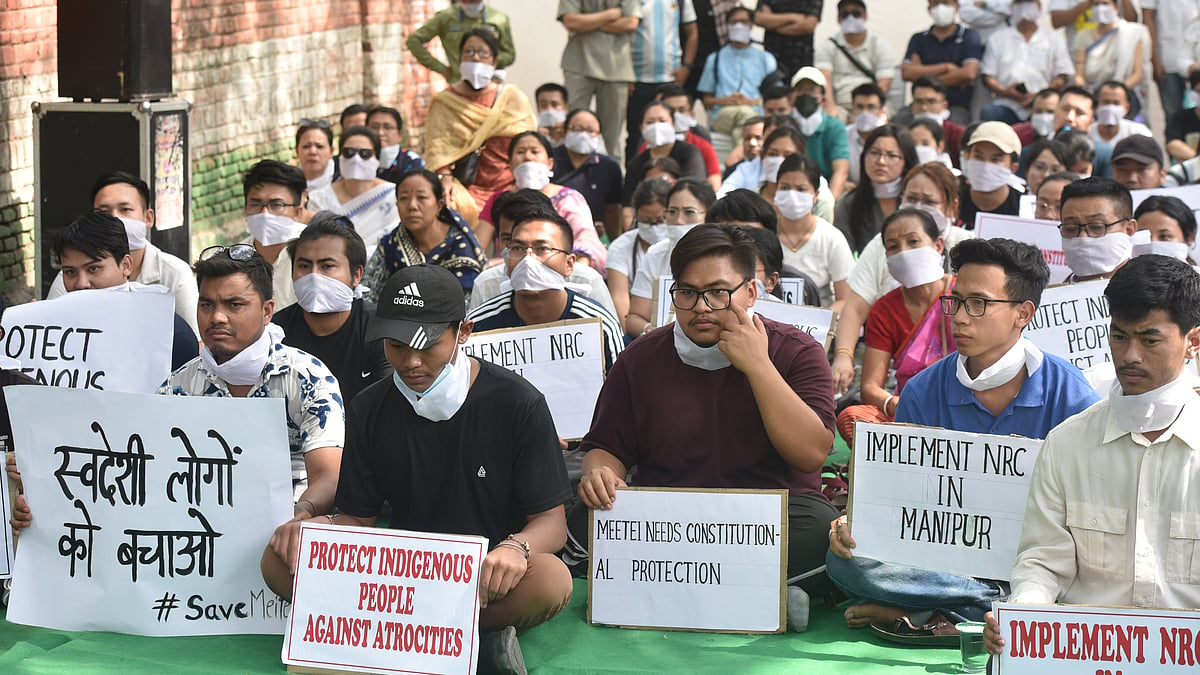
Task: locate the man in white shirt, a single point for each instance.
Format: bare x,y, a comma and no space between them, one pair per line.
1112,106
1111,485
1172,55
846,58
1021,60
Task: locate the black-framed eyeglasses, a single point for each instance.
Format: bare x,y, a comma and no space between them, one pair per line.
381,126
716,298
365,153
239,252
518,251
320,124
1094,230
275,206
485,54
976,306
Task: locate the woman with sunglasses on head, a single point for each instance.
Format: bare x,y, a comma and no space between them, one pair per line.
314,153
359,195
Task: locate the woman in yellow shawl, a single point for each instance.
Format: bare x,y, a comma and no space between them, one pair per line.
473,121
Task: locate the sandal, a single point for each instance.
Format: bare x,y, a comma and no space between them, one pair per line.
939,632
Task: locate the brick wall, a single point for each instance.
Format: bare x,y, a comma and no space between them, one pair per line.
251,70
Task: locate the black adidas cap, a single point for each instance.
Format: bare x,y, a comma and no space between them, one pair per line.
416,305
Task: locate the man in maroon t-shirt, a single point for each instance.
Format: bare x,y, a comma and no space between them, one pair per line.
722,398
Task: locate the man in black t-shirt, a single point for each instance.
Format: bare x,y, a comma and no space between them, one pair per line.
329,319
460,446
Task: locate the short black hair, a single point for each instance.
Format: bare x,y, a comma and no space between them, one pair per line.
671,90
1025,270
770,251
738,8
1076,146
274,172
1150,282
928,82
521,203
485,35
96,234
330,224
653,191
780,122
1077,90
1173,208
667,165
571,115
772,93
122,178
1056,148
390,112
929,125
551,87
868,89
1116,84
352,109
550,217
715,239
791,132
1096,186
656,103
364,131
745,206
1059,177
221,265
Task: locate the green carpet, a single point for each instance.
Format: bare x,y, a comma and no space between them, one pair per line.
565,645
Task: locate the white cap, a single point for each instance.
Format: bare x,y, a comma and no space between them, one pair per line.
808,73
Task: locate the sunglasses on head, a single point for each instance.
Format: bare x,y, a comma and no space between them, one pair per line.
306,122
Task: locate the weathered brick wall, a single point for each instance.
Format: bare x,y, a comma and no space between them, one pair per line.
252,71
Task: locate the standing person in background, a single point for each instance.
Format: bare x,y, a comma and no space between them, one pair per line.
949,52
1075,15
789,25
598,59
1111,49
664,52
1172,55
451,26
852,58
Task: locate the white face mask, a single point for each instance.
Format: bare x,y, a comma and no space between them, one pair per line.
551,117
1026,11
916,266
531,175
794,204
810,124
676,232
659,134
136,231
705,358
926,153
446,395
247,365
531,274
1043,124
943,223
1105,15
1142,245
938,118
319,294
581,142
1193,97
770,167
684,122
866,122
388,155
943,15
1109,115
1154,410
324,179
652,232
888,190
739,32
1089,256
357,168
269,229
1024,354
472,9
985,176
853,25
476,73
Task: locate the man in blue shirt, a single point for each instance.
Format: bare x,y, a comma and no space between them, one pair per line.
996,383
731,78
948,51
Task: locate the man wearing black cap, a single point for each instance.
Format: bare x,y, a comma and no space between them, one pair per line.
457,445
1138,163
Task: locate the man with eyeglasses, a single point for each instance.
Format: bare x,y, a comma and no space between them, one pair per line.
394,161
867,113
538,261
450,25
1097,227
997,382
275,196
721,398
1049,194
929,102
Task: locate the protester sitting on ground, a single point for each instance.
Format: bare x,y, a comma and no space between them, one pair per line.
868,112
750,210
853,57
1041,121
1137,163
1020,60
783,142
1113,104
275,194
360,195
329,319
887,156
991,158
1112,49
929,102
1099,460
688,130
996,383
409,438
127,197
430,233
394,160
824,135
1096,226
1045,157
811,244
314,153
658,131
749,163
551,101
949,52
906,330
931,188
770,381
531,164
1171,225
1049,194
731,76
929,141
628,252
1079,152
539,262
580,164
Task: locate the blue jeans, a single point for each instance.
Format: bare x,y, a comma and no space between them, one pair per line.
994,112
1171,91
920,591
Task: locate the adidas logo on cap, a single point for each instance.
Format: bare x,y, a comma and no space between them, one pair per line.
409,295
419,339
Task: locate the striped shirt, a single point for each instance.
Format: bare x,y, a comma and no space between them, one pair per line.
499,313
656,46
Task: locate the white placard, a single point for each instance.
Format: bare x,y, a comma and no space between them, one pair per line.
564,360
150,513
815,321
6,542
1077,640
1072,322
664,310
792,289
1027,207
939,499
1189,194
711,560
376,600
1043,234
94,339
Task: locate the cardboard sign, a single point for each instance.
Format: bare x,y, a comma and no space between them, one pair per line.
712,560
564,360
792,289
664,310
1072,322
7,494
1077,640
150,512
94,339
1189,194
939,499
376,600
1040,233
